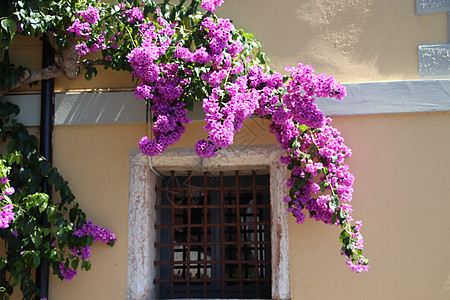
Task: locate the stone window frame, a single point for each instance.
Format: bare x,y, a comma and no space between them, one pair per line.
142,212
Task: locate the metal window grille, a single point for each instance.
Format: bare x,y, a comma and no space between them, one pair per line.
213,237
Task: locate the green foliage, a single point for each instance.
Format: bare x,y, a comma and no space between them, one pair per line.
29,18
39,17
27,241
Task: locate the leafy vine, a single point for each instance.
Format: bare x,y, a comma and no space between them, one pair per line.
65,242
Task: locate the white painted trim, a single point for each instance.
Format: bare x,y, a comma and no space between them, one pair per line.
98,108
30,108
426,7
390,97
434,61
141,214
365,98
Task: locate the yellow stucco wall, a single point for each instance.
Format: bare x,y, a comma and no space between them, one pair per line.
400,161
354,40
94,159
400,166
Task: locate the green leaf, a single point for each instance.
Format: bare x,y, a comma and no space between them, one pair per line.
299,182
45,167
36,261
74,263
12,26
13,159
260,57
303,128
46,231
333,218
90,239
36,239
323,186
58,183
292,191
43,206
50,211
52,176
73,213
88,76
85,265
29,226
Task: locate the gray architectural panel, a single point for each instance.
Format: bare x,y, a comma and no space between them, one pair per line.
390,97
424,7
99,108
362,99
434,61
30,107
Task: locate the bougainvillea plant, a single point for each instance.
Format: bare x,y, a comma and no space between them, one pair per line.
181,52
65,244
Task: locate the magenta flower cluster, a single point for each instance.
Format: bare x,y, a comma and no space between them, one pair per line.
67,272
161,84
301,93
236,86
6,215
134,15
81,27
6,212
211,5
99,233
328,146
83,253
89,229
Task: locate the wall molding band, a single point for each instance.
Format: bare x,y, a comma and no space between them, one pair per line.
366,98
391,97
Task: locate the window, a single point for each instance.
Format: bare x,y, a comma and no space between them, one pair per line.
145,230
213,236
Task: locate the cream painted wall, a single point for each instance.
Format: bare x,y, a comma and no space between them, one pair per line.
94,159
355,40
400,163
